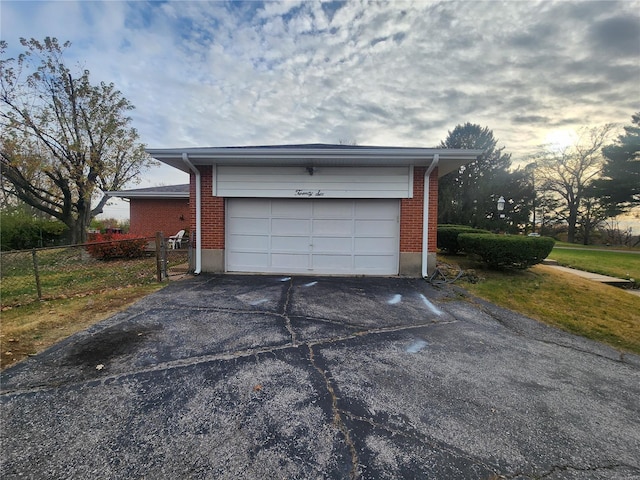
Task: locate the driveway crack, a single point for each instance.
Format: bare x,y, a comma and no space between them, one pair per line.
285,313
338,421
418,437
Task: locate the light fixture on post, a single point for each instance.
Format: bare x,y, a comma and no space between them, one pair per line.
501,203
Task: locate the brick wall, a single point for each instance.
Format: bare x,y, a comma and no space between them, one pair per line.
212,211
411,214
148,216
433,211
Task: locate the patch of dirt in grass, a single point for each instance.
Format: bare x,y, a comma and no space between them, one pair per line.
32,328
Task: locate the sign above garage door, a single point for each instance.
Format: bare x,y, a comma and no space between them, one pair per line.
313,182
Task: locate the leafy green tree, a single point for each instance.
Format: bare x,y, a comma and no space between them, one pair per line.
619,187
64,140
469,195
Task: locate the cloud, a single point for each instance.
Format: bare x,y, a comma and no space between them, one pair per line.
617,35
529,119
400,73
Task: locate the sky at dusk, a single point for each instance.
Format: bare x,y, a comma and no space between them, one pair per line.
393,74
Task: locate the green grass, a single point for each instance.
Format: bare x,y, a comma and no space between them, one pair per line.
605,262
590,309
596,247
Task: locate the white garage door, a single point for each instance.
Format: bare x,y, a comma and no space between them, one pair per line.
313,236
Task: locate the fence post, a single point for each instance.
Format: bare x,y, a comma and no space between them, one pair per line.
160,257
34,256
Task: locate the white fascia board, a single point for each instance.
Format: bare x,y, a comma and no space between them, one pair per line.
125,194
363,156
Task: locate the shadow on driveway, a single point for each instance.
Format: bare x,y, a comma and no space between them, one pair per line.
275,377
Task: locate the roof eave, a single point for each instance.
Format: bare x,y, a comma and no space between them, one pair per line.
148,195
450,159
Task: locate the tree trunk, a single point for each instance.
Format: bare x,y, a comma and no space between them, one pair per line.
572,220
77,233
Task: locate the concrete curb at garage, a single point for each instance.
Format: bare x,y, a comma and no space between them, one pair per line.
274,377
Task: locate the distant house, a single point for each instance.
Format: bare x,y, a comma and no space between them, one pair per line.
314,209
157,209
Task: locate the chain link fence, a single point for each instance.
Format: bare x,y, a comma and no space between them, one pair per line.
61,272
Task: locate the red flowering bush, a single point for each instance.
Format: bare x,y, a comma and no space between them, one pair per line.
116,245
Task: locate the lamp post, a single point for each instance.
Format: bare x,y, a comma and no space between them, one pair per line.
501,203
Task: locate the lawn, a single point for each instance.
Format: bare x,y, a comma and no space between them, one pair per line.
614,263
590,309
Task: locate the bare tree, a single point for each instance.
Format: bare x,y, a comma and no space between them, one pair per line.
567,175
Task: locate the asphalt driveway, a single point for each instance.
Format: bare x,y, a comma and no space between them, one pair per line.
260,377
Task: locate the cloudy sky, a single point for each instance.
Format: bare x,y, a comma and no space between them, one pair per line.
396,73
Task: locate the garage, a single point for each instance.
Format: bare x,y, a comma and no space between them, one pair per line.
314,209
313,236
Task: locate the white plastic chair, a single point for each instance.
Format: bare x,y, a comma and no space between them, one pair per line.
175,241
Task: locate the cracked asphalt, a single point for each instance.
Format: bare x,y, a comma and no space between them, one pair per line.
260,377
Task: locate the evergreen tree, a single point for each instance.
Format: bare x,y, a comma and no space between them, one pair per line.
619,187
469,195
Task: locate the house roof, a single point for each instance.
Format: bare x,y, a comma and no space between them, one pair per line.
166,191
316,154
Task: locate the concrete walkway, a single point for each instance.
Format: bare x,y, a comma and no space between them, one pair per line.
596,277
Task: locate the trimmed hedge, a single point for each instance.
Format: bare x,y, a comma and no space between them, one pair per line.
116,245
507,251
448,236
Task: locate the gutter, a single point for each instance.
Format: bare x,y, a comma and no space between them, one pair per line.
425,214
185,159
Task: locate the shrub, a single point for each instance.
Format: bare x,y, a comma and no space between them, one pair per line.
116,245
448,236
21,230
507,251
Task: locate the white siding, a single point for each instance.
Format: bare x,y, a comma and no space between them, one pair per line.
326,182
313,236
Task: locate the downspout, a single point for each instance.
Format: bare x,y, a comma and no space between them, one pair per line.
425,214
185,159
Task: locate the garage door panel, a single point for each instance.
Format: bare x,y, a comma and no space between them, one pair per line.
374,228
248,261
287,208
376,209
316,236
333,209
253,208
378,263
289,262
332,244
291,226
248,226
332,227
375,245
338,263
289,244
249,243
